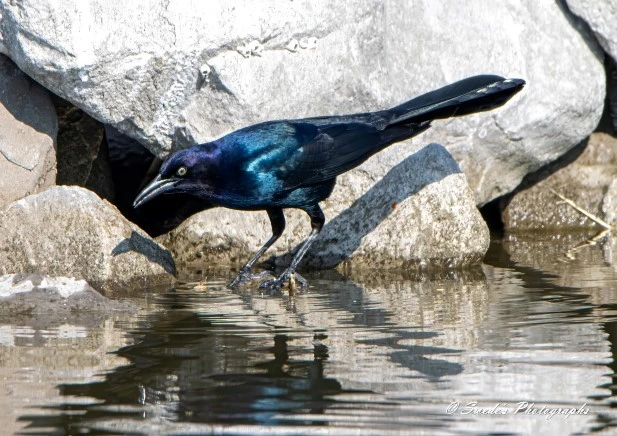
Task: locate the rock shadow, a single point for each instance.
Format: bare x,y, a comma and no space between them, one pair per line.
147,247
428,165
27,108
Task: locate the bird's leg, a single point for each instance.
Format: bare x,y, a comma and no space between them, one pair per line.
317,222
277,220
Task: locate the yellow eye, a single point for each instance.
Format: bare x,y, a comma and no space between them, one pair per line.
181,171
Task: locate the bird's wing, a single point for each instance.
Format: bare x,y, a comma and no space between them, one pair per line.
337,148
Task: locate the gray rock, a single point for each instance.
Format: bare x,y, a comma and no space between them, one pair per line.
100,180
190,74
70,231
28,129
601,16
36,294
586,175
404,218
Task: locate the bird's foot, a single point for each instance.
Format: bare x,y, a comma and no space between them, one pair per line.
245,276
277,283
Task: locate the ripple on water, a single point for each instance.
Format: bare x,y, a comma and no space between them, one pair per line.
353,355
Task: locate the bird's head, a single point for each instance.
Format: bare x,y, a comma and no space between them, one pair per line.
186,171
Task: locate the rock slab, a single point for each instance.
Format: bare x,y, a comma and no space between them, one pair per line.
420,215
28,129
70,232
192,71
36,294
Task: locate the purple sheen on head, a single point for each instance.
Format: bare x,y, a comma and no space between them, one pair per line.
196,159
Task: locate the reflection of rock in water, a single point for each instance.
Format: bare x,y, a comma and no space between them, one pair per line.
589,266
191,369
38,355
394,352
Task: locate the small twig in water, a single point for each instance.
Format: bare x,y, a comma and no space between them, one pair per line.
589,242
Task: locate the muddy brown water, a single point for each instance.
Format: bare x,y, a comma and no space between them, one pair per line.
525,345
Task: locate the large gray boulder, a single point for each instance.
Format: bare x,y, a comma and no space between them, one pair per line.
601,16
70,232
190,71
401,219
28,128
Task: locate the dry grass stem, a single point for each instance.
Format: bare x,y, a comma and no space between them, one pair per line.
583,211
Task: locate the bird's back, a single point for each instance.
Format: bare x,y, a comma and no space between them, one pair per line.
265,164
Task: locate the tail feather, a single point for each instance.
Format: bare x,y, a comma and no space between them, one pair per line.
474,94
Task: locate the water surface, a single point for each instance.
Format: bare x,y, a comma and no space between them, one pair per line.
364,354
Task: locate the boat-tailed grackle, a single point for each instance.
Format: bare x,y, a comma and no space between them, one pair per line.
294,163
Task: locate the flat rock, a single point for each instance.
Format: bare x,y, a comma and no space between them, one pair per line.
586,175
28,128
36,294
420,215
189,74
70,232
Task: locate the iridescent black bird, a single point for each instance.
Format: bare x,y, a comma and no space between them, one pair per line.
294,163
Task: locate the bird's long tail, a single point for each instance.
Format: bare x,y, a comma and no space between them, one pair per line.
474,94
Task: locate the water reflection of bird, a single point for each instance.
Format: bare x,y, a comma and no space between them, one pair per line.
294,163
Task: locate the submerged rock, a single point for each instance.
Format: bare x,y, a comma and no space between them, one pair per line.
586,175
70,231
419,215
28,128
190,74
53,297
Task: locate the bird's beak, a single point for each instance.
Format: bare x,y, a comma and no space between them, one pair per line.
154,188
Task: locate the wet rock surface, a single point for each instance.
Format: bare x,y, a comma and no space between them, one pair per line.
28,128
191,74
408,219
70,231
586,175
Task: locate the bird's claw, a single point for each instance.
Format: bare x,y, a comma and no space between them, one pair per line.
277,283
245,276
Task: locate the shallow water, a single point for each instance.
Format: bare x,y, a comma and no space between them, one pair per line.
366,354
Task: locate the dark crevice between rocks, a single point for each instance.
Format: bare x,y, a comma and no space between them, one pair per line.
133,166
491,213
81,151
608,123
116,167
